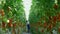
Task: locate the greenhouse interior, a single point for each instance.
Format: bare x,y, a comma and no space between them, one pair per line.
29,16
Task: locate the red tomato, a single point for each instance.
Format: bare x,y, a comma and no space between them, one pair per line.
50,26
10,24
14,25
54,19
10,20
3,24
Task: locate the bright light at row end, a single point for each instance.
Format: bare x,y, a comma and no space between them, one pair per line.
27,5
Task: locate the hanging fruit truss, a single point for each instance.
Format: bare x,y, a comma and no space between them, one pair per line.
12,14
45,16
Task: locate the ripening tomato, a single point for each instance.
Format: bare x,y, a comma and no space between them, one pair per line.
50,17
58,16
36,28
9,8
13,31
2,12
54,24
39,24
55,6
45,25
